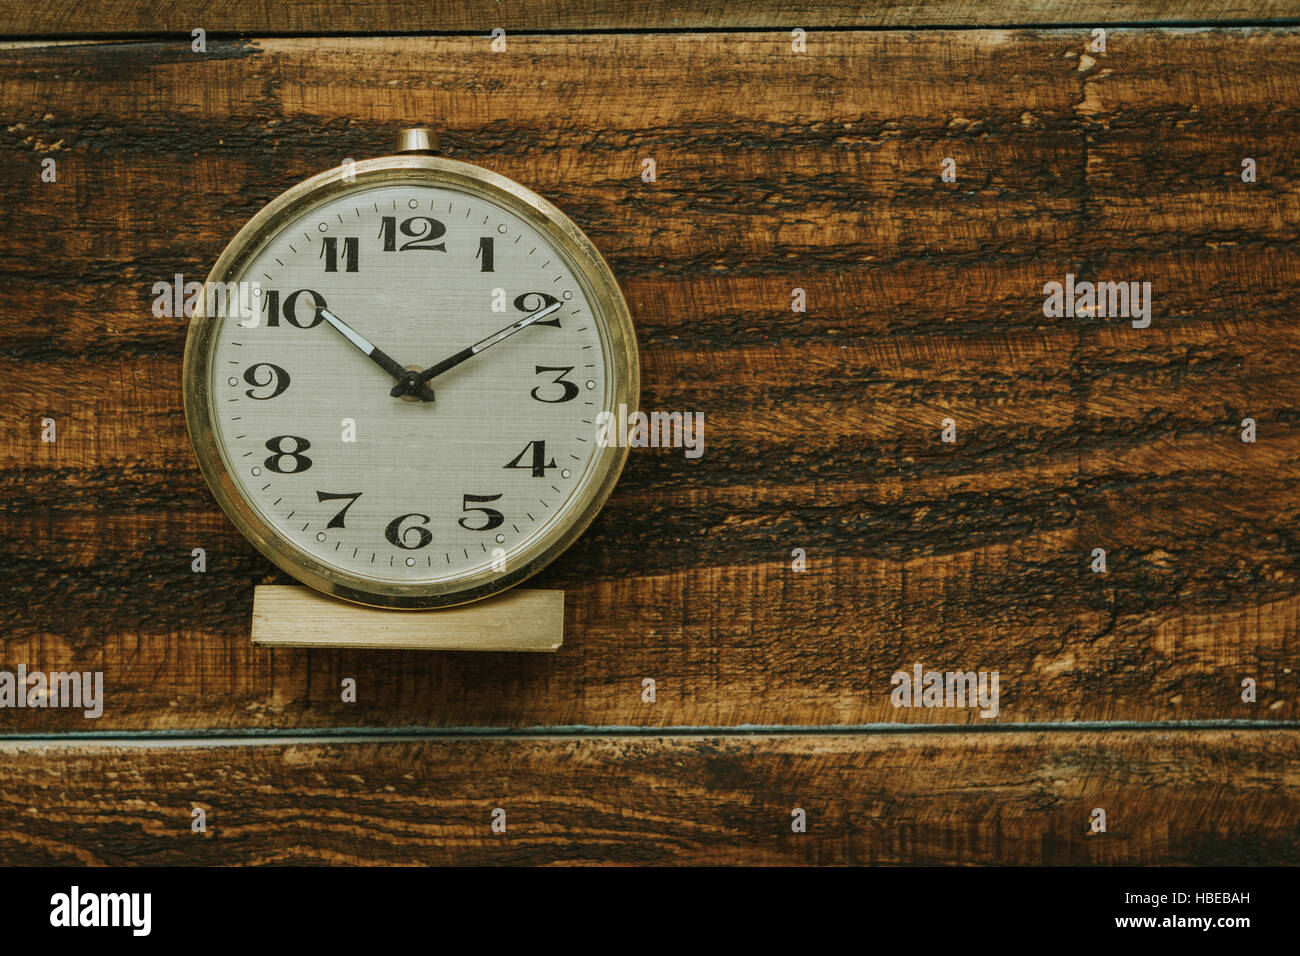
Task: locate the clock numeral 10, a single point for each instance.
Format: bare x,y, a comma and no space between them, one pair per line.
271,303
329,251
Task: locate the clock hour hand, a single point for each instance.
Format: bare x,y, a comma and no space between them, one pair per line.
468,353
406,379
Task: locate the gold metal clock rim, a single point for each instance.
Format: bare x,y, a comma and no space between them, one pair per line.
590,270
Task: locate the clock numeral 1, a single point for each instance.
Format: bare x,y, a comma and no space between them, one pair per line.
531,302
495,519
300,461
271,303
337,520
424,233
486,247
570,388
539,464
399,536
329,251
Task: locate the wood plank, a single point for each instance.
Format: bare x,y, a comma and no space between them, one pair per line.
524,619
822,427
1204,798
24,18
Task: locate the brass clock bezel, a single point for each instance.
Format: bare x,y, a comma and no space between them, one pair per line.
589,269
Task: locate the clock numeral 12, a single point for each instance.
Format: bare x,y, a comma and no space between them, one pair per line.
422,236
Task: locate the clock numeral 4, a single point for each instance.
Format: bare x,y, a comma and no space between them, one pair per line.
401,537
337,520
295,454
271,303
495,519
539,463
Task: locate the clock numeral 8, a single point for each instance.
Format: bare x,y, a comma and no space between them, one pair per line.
398,536
295,454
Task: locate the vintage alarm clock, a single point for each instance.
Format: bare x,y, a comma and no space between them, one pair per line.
403,412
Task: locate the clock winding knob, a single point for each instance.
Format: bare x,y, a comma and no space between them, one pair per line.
417,139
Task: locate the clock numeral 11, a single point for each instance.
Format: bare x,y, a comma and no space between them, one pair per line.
329,251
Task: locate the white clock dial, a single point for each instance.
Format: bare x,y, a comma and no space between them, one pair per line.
400,488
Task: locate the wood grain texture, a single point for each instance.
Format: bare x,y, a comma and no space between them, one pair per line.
776,171
915,798
22,18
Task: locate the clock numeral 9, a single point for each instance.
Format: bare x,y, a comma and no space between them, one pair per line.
295,454
329,251
531,302
275,376
570,388
423,236
539,464
495,519
399,536
271,302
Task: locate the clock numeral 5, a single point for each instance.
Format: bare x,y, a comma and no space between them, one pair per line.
399,536
531,302
329,251
424,233
271,303
495,519
275,376
539,464
570,388
337,520
295,454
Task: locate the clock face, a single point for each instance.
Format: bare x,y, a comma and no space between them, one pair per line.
409,413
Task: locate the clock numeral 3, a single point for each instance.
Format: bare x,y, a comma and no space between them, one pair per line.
539,464
272,305
423,236
275,375
399,536
495,519
570,388
337,520
295,454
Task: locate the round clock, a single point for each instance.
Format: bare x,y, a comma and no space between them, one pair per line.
395,377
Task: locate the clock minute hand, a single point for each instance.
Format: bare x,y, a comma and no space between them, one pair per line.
479,346
405,377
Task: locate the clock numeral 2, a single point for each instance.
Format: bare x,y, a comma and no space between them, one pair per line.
337,520
528,302
422,236
300,461
329,251
495,519
539,463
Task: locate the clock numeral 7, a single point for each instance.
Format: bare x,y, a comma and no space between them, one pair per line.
329,251
337,520
495,519
539,463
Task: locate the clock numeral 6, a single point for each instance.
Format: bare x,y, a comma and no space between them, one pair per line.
495,519
275,376
531,302
570,388
271,303
295,454
539,464
424,233
399,536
